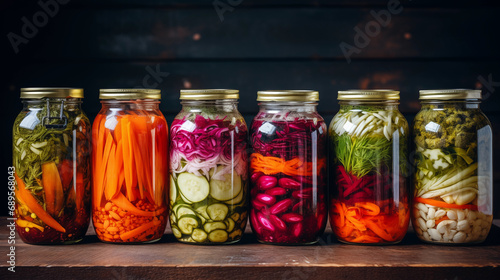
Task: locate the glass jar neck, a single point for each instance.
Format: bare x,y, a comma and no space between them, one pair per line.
132,104
384,104
224,105
69,104
441,104
297,106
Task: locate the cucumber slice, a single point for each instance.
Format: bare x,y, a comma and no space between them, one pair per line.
225,189
209,227
193,188
202,219
218,235
187,223
199,235
237,199
173,218
230,224
217,211
202,210
185,200
173,190
184,210
177,233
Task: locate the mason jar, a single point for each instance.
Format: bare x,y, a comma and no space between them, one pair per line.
288,168
453,179
129,157
208,168
51,157
369,198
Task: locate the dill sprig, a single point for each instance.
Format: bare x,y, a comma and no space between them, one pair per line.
361,155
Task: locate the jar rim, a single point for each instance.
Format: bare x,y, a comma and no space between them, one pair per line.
450,94
287,95
368,94
208,94
129,93
51,92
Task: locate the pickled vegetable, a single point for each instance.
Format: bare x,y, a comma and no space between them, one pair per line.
52,163
288,171
130,168
208,178
449,178
369,199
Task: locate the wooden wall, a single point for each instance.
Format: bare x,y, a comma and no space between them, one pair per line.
259,45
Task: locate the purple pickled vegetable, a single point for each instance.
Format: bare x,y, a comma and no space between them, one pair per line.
267,182
281,206
289,183
277,191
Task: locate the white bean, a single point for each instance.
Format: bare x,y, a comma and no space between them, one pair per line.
434,234
430,223
421,224
452,215
446,226
485,224
459,237
439,213
418,230
422,214
472,215
449,235
422,207
463,225
426,236
460,215
431,214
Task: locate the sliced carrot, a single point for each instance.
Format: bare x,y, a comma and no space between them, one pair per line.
444,218
274,165
378,230
33,205
137,231
368,208
121,201
111,187
52,187
443,204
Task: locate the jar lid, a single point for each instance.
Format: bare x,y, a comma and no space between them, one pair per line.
129,93
47,92
288,95
449,94
369,94
209,94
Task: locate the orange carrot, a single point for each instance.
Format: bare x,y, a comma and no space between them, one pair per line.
137,231
443,204
104,164
66,172
127,159
364,224
111,187
52,187
274,165
80,191
33,205
121,201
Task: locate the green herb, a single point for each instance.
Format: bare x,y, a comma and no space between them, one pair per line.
359,156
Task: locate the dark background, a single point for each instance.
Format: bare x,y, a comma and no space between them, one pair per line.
259,45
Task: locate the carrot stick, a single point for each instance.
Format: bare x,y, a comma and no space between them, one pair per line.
52,187
443,204
121,201
378,230
137,231
111,187
274,165
33,205
80,191
102,173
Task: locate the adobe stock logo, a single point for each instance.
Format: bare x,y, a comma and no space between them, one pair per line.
372,28
29,30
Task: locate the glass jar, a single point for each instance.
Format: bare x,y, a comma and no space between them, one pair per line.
208,168
51,157
129,156
453,179
369,198
288,168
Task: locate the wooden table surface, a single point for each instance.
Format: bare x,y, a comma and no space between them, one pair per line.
249,259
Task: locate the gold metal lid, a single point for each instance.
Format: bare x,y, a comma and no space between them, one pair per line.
129,93
368,94
46,92
449,94
288,95
209,94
